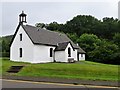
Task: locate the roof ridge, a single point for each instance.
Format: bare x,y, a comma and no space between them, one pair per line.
44,29
64,42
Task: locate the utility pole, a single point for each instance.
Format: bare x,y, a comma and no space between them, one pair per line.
119,10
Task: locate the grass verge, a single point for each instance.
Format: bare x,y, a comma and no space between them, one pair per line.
84,70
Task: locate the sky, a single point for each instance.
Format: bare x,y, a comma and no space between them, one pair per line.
49,11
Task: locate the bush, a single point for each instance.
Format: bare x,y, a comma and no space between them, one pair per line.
115,58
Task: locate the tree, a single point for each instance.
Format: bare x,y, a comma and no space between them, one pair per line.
73,37
3,46
41,25
116,39
88,42
107,52
53,26
81,24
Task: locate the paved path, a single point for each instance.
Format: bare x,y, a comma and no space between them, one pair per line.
64,81
30,84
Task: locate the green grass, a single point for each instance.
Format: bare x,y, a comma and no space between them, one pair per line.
85,70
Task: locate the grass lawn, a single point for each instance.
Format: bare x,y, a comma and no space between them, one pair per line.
85,70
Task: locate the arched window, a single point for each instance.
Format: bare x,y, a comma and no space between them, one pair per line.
69,52
51,52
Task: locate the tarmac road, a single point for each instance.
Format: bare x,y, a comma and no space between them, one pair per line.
29,84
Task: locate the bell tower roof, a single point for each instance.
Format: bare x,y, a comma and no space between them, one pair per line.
22,14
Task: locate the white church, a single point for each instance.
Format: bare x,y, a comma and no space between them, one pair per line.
37,45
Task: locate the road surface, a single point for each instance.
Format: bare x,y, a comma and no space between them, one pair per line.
29,84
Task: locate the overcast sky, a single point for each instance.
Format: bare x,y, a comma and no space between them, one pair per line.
46,12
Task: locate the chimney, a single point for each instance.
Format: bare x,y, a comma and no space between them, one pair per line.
77,44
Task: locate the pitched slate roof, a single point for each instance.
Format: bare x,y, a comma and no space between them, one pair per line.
80,50
62,46
43,36
46,37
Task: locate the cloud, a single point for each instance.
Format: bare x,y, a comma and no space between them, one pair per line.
46,12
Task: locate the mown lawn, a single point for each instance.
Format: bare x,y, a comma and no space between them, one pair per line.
85,70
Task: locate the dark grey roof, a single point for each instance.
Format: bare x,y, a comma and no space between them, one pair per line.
80,50
61,46
45,37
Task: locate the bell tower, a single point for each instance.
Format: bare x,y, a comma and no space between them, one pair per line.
22,18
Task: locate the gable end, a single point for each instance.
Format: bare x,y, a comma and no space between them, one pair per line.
20,24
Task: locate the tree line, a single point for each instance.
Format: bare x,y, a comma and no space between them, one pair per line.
99,38
105,28
5,46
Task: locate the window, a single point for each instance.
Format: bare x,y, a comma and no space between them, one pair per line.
51,52
20,37
69,52
20,52
81,55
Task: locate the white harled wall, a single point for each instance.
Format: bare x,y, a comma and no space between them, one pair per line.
60,56
75,55
42,54
81,58
26,45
